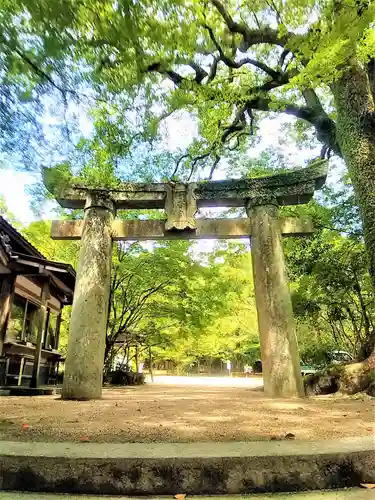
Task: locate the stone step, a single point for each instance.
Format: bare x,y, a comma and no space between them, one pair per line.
191,468
19,390
346,494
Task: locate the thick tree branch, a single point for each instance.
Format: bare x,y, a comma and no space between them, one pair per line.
234,64
325,127
194,163
264,104
281,80
238,124
178,163
200,73
250,36
213,69
312,100
214,165
158,67
282,57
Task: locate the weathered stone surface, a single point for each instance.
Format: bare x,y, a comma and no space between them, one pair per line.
84,363
181,207
191,468
289,189
278,341
129,196
143,230
342,494
33,391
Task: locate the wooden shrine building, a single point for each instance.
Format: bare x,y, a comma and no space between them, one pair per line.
33,291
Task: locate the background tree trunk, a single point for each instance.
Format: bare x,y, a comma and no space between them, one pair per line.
150,363
136,359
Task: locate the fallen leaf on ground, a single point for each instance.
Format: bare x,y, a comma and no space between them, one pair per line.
368,486
84,439
290,436
180,496
25,426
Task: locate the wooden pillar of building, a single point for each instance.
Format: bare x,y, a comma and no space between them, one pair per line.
278,341
58,328
6,300
34,382
83,377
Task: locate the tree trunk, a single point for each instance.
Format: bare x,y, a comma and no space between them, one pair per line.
108,358
356,136
136,359
344,379
150,363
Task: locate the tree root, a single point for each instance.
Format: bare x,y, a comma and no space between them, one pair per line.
343,379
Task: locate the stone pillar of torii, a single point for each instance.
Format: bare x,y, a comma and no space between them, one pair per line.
261,198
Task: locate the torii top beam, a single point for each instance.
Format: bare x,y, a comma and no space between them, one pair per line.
289,188
181,201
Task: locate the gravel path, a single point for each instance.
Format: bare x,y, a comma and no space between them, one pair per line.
176,412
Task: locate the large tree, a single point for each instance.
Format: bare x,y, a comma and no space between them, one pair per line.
225,62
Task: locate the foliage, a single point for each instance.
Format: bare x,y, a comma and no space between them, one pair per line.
332,292
185,306
138,275
135,63
38,234
215,315
7,214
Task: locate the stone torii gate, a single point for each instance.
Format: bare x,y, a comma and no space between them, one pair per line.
261,198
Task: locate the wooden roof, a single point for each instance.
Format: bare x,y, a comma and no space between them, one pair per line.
22,257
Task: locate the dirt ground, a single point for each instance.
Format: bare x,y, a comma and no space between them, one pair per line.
164,412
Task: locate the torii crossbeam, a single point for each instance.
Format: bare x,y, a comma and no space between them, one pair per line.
260,196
